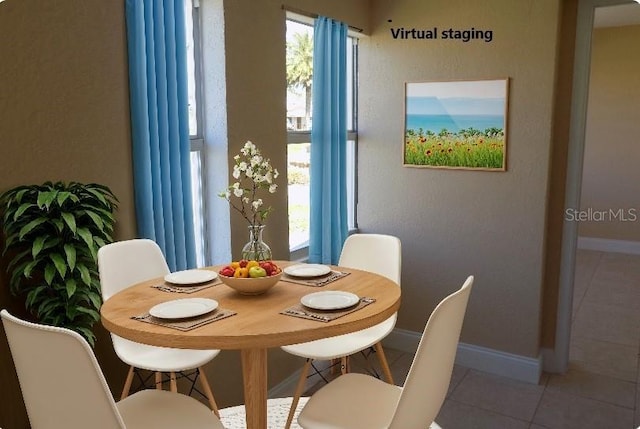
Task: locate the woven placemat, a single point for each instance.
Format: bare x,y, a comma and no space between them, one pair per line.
316,281
187,324
169,287
303,312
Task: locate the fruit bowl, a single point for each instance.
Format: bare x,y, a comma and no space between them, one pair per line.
249,285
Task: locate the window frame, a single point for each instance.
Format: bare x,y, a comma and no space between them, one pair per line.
197,144
301,252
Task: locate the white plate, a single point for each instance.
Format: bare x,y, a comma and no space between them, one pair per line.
190,277
307,270
329,300
181,308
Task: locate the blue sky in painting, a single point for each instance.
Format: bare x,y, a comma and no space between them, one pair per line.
455,106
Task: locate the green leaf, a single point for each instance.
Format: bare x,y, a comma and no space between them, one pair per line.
84,274
62,197
92,313
87,334
30,226
99,195
86,235
97,220
70,220
58,261
20,257
20,194
70,252
71,287
37,245
45,198
29,267
23,207
95,299
32,296
49,273
58,223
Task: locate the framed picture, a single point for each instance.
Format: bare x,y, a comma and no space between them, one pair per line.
458,124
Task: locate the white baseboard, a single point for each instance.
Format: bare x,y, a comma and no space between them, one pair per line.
608,245
481,358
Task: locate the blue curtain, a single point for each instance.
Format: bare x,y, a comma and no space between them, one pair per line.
328,216
160,127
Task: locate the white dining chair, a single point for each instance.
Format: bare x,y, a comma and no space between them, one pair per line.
355,401
377,253
121,265
63,386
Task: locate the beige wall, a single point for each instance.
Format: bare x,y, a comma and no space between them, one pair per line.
456,223
63,116
612,148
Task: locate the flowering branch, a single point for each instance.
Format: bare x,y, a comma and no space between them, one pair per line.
253,173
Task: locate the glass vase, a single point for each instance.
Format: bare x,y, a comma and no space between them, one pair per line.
256,249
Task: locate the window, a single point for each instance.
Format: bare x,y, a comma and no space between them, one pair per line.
299,119
195,128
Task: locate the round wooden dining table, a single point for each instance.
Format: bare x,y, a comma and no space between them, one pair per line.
257,326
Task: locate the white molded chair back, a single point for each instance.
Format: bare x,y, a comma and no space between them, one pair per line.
428,380
123,263
61,381
63,386
377,253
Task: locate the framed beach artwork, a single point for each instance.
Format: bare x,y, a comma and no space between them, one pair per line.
457,124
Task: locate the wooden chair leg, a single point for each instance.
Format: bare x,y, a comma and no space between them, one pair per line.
127,384
344,364
158,380
334,366
204,382
173,385
383,362
296,396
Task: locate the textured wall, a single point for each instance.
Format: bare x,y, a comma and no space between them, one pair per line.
612,149
456,223
63,116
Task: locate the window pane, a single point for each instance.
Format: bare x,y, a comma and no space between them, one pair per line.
351,184
350,81
191,73
298,156
299,75
198,207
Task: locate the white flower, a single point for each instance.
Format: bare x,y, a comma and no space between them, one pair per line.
257,204
253,174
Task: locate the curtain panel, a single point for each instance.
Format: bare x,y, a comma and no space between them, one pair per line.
156,42
328,215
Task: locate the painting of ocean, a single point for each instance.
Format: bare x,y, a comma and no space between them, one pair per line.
456,124
453,123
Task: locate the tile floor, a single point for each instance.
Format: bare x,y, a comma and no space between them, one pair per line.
600,391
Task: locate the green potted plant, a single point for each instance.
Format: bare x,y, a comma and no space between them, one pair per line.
52,235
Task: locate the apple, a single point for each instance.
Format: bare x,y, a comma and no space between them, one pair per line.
227,271
267,266
255,272
243,263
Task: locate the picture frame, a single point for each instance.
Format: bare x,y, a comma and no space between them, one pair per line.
456,124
